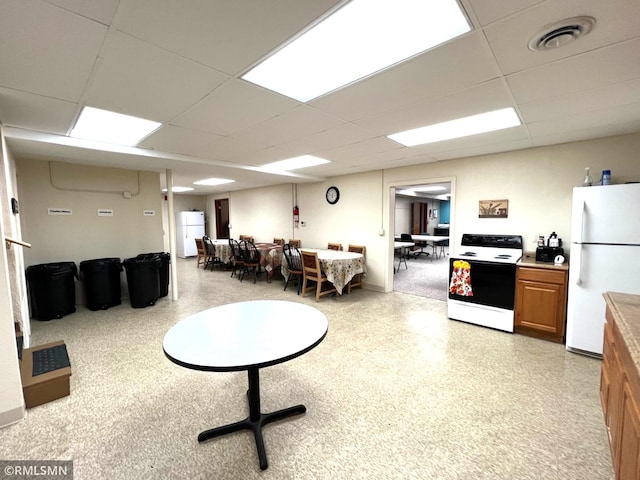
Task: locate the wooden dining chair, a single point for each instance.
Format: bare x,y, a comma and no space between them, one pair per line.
295,243
247,237
312,272
251,260
278,241
334,246
294,262
358,279
200,259
235,257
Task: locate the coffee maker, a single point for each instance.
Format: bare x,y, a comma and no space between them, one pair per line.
547,253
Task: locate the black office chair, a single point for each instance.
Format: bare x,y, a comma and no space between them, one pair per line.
422,246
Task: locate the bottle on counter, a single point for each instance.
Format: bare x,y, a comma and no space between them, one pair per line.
606,177
588,181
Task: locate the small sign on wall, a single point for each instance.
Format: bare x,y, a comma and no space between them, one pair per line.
149,213
59,211
105,212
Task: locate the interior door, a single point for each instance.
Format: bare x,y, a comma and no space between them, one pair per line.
222,218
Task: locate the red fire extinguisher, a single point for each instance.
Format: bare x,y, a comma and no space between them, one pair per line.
296,216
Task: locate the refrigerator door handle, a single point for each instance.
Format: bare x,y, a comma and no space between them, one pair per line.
583,212
578,263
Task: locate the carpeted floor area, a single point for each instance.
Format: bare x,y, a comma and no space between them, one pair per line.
425,276
395,391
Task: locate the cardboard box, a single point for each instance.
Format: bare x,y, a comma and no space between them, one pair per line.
45,387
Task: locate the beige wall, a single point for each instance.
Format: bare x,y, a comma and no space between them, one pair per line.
264,213
84,235
11,402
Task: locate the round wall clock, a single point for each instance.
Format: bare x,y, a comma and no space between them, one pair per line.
333,195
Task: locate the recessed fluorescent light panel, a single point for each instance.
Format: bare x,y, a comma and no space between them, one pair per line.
111,127
213,181
294,163
361,38
178,189
461,127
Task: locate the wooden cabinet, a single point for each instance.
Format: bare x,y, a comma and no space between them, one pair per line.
620,396
541,302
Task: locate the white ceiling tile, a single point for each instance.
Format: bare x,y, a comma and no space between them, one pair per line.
509,38
293,124
457,65
35,112
488,11
607,66
139,79
344,134
472,151
486,97
586,120
352,152
581,102
99,10
227,149
226,35
47,50
218,112
169,138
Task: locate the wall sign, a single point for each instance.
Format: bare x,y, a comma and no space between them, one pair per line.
60,211
105,212
149,213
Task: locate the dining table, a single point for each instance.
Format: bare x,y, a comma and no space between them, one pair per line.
339,266
270,257
222,249
246,336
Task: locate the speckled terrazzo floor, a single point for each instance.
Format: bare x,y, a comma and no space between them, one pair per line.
395,391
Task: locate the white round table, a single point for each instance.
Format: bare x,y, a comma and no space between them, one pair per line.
246,336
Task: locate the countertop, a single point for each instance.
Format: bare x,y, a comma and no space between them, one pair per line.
625,309
529,260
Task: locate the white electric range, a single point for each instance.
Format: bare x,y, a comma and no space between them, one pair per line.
482,280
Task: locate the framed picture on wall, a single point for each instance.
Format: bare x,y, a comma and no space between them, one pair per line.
493,209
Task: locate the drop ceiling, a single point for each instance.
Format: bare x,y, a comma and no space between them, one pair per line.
180,63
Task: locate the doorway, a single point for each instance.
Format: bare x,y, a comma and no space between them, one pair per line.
424,209
222,218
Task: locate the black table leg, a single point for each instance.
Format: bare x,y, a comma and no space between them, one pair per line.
256,420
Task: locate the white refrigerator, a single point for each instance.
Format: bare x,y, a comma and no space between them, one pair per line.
605,257
189,226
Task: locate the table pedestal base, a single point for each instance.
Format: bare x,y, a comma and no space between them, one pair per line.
255,421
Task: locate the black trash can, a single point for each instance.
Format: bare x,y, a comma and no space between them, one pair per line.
143,279
101,279
52,291
165,262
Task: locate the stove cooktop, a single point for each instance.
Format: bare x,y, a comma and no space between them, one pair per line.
490,248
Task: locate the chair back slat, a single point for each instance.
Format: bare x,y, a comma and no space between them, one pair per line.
294,260
334,246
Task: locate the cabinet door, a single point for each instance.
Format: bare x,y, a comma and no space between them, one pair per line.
614,401
540,307
629,452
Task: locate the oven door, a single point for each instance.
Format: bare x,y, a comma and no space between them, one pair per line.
492,284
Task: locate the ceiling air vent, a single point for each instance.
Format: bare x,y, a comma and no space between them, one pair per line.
561,33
